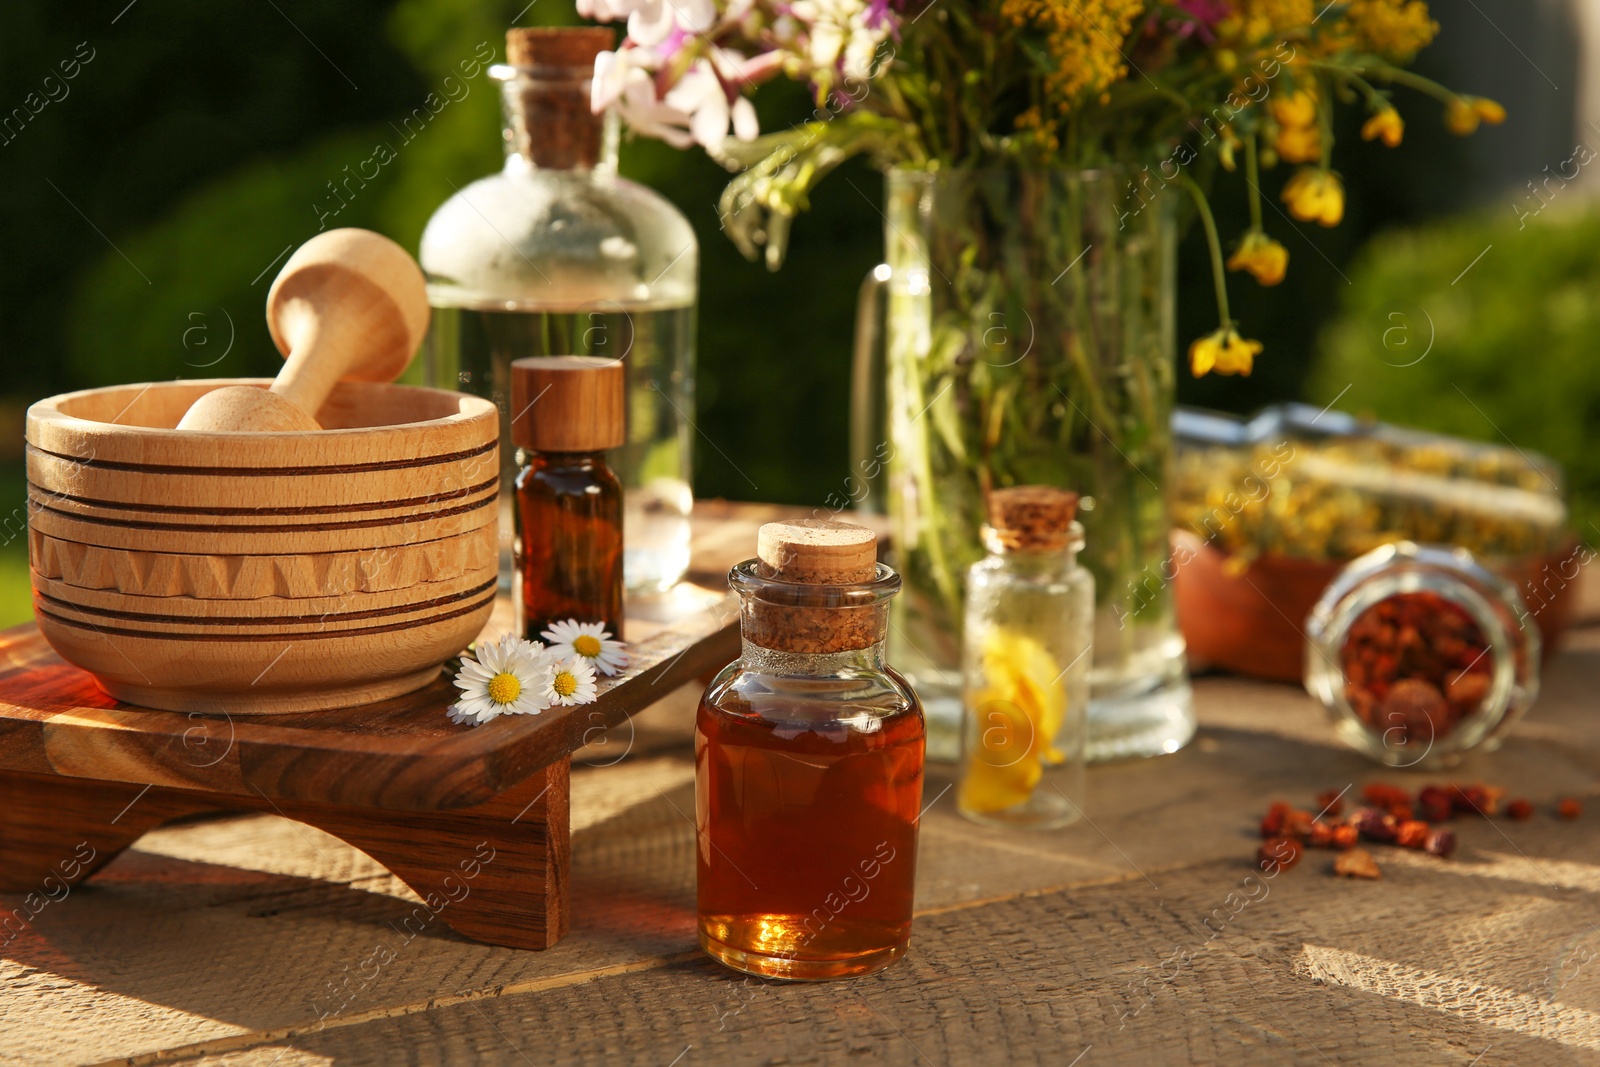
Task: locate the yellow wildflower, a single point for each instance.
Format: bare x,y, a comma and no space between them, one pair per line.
1261,256
1394,29
1385,123
1299,144
1315,195
1264,20
1018,714
1463,113
1224,352
1084,40
1296,109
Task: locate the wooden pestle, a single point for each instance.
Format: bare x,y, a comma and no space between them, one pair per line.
349,304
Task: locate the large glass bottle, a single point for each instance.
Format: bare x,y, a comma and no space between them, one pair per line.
557,255
808,766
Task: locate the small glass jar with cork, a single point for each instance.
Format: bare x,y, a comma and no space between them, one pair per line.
1026,656
808,766
566,412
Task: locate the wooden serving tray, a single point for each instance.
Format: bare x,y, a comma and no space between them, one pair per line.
474,819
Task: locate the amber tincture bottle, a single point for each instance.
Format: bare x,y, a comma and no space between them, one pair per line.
566,411
808,766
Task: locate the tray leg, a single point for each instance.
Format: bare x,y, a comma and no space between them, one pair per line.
497,872
56,831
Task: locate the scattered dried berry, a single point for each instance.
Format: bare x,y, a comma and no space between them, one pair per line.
1278,852
1357,863
1321,835
1330,802
1272,824
1345,836
1569,808
1402,813
1297,824
1411,834
1384,795
1520,809
1374,825
1434,803
1441,842
1476,799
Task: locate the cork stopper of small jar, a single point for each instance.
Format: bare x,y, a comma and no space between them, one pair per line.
568,403
1032,517
816,552
555,126
557,46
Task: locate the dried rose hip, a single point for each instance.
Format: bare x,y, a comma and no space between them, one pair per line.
1384,795
1569,808
1345,836
1321,835
1476,799
1297,824
1330,803
1520,809
1357,863
1440,842
1278,851
1434,803
1374,825
1412,834
1272,823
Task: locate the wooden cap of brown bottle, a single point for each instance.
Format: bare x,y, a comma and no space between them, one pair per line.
558,46
815,552
1032,516
568,403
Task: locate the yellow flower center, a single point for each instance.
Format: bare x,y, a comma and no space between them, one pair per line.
587,646
565,684
504,688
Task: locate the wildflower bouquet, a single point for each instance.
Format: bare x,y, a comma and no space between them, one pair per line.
1148,86
1036,152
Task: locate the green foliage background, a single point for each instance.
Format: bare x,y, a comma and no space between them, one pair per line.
144,213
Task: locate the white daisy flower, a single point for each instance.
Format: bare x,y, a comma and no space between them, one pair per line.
504,679
591,640
567,681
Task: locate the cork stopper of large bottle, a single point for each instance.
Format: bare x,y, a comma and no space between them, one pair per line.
568,403
823,554
1032,517
553,124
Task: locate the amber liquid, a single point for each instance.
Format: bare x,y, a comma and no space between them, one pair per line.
808,835
569,541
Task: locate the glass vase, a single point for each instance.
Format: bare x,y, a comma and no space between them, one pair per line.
1021,331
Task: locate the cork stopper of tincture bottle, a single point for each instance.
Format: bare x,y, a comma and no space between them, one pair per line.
568,403
1032,517
555,126
815,552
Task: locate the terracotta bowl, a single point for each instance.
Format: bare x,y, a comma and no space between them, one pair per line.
262,572
1252,622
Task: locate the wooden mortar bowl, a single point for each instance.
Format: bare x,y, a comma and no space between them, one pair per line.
262,572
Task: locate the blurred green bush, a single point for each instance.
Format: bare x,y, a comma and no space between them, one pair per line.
1485,326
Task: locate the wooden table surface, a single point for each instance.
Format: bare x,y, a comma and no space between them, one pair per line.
1132,939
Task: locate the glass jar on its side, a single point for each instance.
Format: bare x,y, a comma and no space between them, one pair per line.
1027,650
1420,654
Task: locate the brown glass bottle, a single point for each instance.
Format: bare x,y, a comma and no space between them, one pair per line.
808,766
567,410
